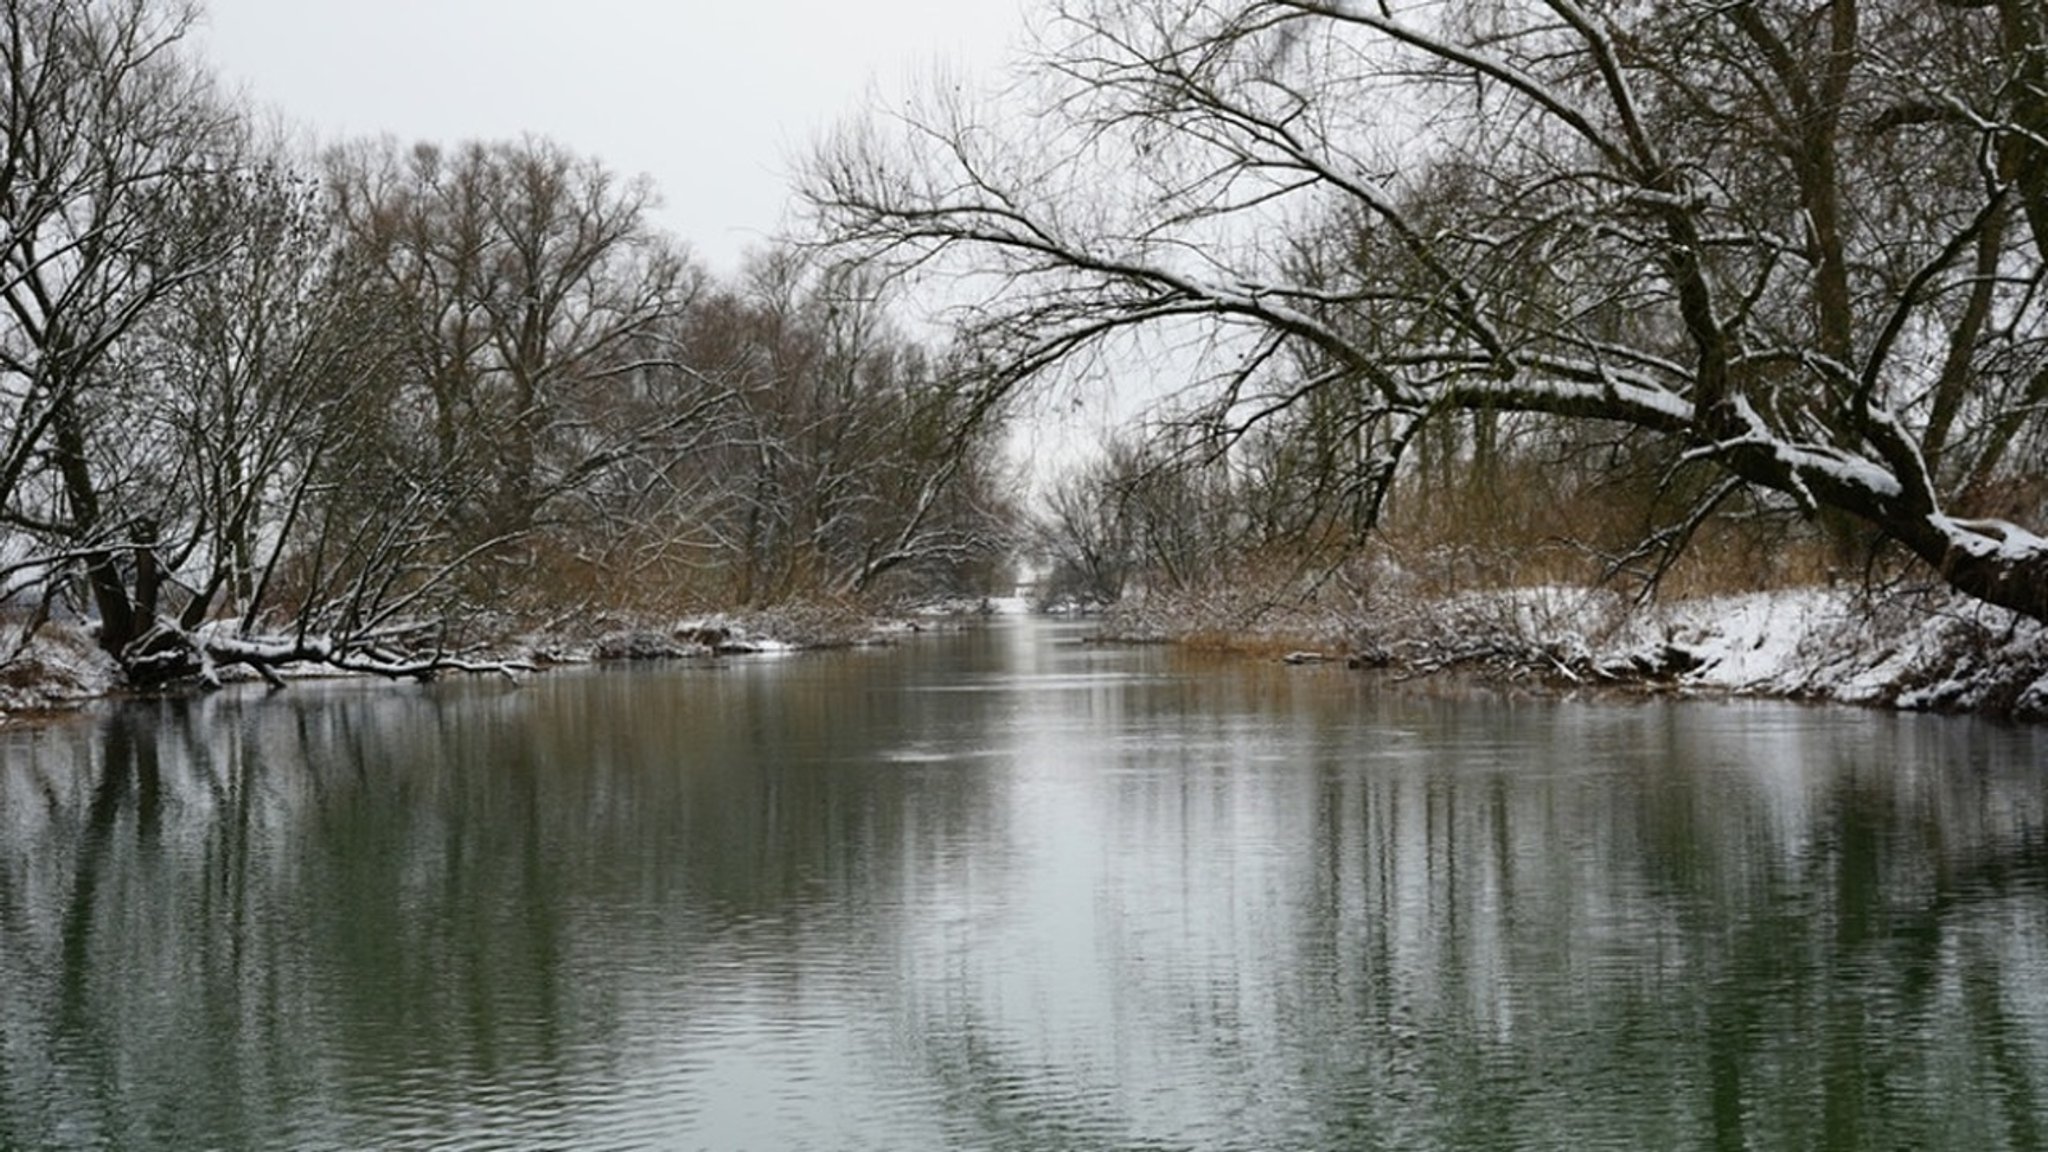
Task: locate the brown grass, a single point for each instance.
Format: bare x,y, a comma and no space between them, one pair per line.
1529,524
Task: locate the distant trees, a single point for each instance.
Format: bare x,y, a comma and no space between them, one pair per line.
261,408
1793,251
857,454
1158,509
525,281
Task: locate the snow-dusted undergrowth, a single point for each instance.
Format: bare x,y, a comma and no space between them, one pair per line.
1930,651
1938,652
62,667
1925,651
764,632
59,668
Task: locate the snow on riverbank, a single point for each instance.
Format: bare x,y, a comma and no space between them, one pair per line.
1934,653
63,668
60,668
1927,651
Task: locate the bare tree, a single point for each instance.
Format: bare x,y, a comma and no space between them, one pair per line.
1800,243
526,281
857,456
934,502
109,139
250,376
188,368
1083,537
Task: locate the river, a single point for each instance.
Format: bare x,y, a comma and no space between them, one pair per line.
1002,889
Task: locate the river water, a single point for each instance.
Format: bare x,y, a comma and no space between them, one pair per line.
1005,890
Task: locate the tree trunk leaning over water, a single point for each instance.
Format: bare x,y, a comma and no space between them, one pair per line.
1803,245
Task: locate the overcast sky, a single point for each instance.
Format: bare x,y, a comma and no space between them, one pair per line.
715,99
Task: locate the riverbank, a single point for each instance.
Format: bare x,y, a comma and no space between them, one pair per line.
59,669
1920,651
1915,651
62,669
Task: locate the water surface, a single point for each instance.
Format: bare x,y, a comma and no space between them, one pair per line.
1003,890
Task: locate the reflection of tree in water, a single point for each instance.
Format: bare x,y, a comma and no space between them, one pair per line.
1682,964
339,913
127,940
1470,940
999,1096
345,916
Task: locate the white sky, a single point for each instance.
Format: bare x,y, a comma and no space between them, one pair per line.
714,99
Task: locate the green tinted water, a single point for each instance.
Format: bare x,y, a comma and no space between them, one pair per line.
1002,890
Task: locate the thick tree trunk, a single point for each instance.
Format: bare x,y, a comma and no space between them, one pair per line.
102,565
1999,563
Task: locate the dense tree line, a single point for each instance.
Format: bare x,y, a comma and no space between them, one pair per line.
261,406
1766,256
